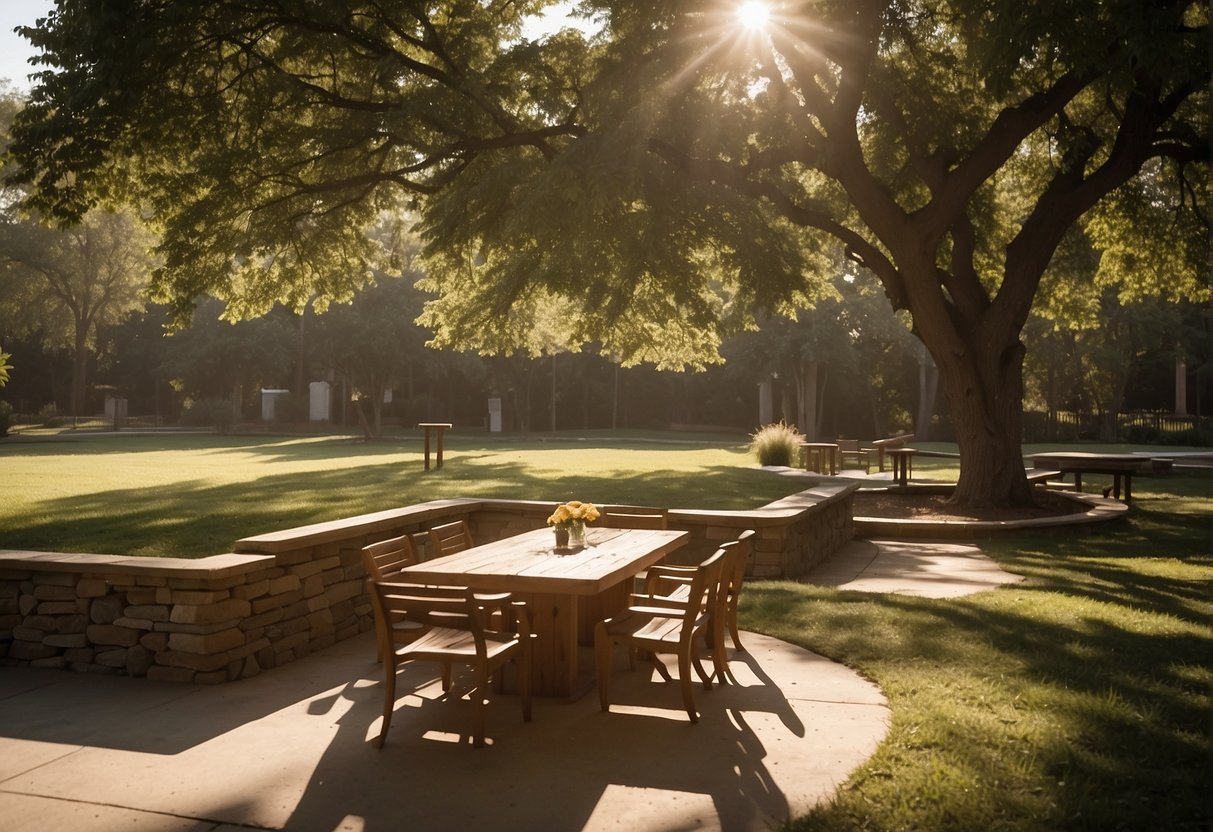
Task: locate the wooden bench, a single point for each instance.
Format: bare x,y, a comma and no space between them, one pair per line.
1047,478
849,449
882,445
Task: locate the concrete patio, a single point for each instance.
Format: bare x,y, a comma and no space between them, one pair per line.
290,749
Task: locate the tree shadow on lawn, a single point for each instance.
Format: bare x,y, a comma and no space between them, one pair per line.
196,520
1113,701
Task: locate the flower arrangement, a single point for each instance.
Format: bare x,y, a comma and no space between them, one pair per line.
573,512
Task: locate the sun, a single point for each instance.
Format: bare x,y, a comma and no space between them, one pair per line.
754,15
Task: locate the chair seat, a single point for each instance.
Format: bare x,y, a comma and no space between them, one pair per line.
443,644
655,629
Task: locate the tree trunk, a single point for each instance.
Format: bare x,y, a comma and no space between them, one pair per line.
79,366
806,399
987,415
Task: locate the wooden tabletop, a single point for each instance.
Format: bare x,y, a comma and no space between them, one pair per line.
1088,461
529,562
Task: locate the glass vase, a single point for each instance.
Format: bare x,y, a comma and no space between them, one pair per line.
577,534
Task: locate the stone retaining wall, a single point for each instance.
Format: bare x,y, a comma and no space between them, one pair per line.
282,595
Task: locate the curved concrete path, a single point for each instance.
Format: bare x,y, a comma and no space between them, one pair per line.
932,569
290,749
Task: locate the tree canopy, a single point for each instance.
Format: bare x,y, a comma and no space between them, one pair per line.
658,181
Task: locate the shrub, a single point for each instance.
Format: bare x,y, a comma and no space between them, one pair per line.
776,444
6,417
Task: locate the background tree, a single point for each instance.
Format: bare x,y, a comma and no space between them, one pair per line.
218,359
68,283
371,342
677,172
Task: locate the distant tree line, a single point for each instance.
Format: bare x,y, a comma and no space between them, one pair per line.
868,376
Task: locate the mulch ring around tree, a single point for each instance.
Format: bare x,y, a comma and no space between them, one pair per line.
931,504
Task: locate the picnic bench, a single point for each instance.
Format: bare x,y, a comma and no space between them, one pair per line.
1122,467
850,449
821,457
903,464
881,446
439,428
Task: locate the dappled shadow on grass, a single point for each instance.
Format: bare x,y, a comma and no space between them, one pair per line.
1076,699
195,519
1061,712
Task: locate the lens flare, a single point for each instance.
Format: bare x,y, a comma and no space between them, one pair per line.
754,15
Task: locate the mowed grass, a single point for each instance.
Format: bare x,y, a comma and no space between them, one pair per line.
1078,699
195,495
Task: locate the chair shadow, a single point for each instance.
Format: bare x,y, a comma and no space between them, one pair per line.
572,765
292,748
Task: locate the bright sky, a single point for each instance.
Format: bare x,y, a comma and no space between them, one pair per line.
14,49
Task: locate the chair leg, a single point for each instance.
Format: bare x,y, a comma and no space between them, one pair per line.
602,655
720,656
389,702
733,631
480,705
684,677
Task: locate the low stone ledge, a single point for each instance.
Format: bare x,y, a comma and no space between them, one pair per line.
208,568
334,531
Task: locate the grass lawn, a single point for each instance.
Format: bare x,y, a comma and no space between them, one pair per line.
1078,699
195,495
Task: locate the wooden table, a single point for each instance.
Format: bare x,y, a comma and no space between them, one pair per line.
903,463
568,592
440,427
818,456
1120,466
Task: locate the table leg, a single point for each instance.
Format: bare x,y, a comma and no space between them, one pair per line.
427,448
1078,482
554,649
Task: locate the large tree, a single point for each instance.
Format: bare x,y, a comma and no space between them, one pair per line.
658,181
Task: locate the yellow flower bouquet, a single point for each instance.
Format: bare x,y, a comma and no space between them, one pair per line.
572,512
569,521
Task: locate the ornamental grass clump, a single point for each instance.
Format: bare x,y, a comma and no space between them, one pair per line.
776,444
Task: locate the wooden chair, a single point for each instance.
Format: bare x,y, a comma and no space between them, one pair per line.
671,581
634,517
664,626
849,449
450,538
383,562
455,633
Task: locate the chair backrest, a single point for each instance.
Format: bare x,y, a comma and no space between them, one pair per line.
737,555
705,585
454,608
450,538
634,517
385,559
847,444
